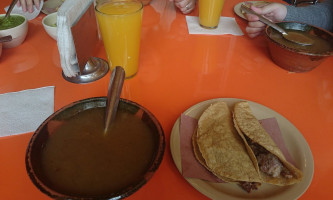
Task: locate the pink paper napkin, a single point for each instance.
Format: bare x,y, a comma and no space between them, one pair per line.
191,168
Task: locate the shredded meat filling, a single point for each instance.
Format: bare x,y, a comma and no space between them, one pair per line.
268,163
249,186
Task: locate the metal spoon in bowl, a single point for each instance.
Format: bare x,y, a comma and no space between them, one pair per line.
9,10
6,38
115,87
294,37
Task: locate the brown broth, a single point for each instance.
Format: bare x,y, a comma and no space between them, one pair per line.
79,159
319,46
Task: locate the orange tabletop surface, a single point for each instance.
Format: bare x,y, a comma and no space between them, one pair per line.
176,71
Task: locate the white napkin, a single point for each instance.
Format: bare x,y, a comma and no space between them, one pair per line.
67,15
24,111
28,15
227,25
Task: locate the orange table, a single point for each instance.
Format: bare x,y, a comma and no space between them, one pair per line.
177,70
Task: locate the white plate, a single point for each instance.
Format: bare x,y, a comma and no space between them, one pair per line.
237,7
51,6
295,143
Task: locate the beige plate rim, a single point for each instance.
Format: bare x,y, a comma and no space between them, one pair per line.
295,143
237,8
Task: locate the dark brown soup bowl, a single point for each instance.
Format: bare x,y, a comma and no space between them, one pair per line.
299,58
41,138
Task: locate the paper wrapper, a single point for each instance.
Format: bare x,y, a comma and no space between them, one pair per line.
191,168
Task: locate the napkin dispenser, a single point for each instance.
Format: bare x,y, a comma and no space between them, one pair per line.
81,40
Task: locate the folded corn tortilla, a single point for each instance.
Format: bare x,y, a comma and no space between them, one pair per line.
220,148
253,134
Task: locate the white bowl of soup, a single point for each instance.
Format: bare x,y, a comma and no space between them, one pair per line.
70,157
15,25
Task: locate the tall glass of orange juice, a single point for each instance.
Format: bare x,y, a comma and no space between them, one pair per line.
210,12
120,26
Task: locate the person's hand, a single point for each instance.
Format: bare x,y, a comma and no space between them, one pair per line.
27,5
185,6
276,12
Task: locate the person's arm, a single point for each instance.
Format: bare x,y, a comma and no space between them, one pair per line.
27,5
276,12
320,15
185,6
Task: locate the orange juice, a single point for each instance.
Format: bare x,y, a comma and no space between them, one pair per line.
120,25
210,12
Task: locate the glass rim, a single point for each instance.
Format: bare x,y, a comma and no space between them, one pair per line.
113,1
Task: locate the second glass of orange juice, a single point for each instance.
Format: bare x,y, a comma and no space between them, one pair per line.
210,12
120,26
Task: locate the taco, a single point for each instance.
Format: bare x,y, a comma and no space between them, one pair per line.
201,160
268,158
220,149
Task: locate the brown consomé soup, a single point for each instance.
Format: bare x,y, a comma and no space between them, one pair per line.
319,46
79,159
